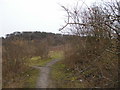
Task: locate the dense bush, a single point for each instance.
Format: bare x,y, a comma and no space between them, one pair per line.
15,55
91,61
93,53
41,48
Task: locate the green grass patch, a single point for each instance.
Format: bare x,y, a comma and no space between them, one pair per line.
31,78
37,61
63,77
56,54
32,75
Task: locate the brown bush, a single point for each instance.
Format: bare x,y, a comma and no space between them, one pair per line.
41,48
92,52
90,60
14,54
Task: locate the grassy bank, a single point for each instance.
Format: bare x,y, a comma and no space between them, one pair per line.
32,74
30,81
28,78
56,54
63,77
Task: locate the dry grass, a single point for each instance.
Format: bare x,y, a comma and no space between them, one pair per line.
16,56
90,61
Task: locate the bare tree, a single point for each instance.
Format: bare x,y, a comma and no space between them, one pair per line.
98,22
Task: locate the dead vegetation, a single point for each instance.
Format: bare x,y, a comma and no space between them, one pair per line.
93,52
16,55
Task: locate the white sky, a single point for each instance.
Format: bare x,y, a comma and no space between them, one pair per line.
33,15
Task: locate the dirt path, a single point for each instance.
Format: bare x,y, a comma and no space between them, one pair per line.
43,79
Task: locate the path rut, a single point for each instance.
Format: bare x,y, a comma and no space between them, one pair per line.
43,79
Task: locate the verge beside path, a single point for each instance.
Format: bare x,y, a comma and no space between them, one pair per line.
43,79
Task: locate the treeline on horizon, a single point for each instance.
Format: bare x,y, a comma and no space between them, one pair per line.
37,35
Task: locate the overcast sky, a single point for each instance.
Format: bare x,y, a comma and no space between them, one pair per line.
33,15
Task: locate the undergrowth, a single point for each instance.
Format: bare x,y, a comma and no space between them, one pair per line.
62,77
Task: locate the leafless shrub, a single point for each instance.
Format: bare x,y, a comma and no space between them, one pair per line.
92,52
15,55
42,48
